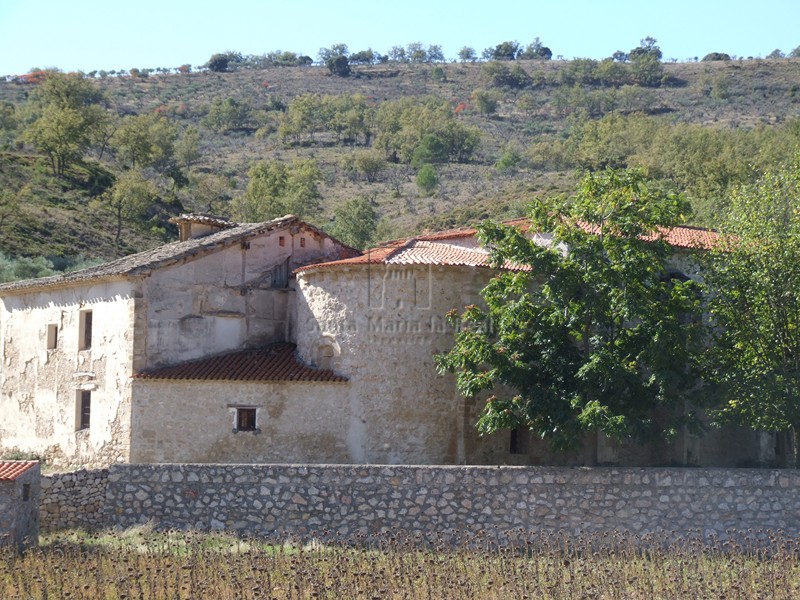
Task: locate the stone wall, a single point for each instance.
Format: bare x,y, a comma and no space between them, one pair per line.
73,500
19,513
324,501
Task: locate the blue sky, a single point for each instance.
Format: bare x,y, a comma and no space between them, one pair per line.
114,34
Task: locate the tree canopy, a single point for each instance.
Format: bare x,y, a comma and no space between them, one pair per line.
754,365
592,330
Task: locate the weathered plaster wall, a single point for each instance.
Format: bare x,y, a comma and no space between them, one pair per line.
39,386
73,500
19,516
325,501
226,299
381,326
182,421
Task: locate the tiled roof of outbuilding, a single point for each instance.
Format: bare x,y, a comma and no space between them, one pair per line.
277,362
143,263
440,248
11,469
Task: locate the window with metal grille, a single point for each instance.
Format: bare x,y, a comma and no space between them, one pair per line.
246,419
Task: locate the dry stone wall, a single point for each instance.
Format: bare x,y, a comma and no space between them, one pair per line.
346,501
74,500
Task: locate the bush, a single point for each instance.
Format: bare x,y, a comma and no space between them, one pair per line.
427,179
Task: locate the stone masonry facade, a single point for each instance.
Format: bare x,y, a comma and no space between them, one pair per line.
347,501
74,500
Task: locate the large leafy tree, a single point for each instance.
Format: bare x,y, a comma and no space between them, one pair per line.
754,276
68,110
276,189
588,331
146,140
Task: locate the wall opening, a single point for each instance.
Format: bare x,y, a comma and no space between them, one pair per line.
518,440
84,410
85,333
52,336
246,419
325,357
26,492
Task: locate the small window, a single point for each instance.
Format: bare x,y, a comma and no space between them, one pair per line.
26,492
281,241
84,409
246,419
52,336
518,442
85,340
302,242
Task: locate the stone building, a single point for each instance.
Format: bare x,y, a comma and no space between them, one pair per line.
19,503
70,344
271,342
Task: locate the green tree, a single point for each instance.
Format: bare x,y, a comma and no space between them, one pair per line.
647,47
535,51
146,140
68,112
712,56
128,200
647,70
10,204
8,123
467,54
754,279
338,65
275,190
187,148
505,51
401,125
355,222
432,149
227,115
224,61
427,179
486,101
370,163
326,54
589,332
61,134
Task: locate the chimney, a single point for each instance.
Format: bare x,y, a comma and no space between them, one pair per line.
191,226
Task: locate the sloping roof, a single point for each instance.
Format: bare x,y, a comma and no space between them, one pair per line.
277,362
204,219
441,248
143,263
11,469
679,237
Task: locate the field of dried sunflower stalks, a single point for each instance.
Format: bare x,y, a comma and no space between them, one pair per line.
141,563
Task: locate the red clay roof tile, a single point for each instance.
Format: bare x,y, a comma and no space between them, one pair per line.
434,249
277,362
11,469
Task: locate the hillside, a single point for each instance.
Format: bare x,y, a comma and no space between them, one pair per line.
701,128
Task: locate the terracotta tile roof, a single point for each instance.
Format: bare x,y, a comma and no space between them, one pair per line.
143,263
11,469
277,362
439,248
679,237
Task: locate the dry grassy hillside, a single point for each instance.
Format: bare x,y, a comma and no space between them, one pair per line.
535,141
